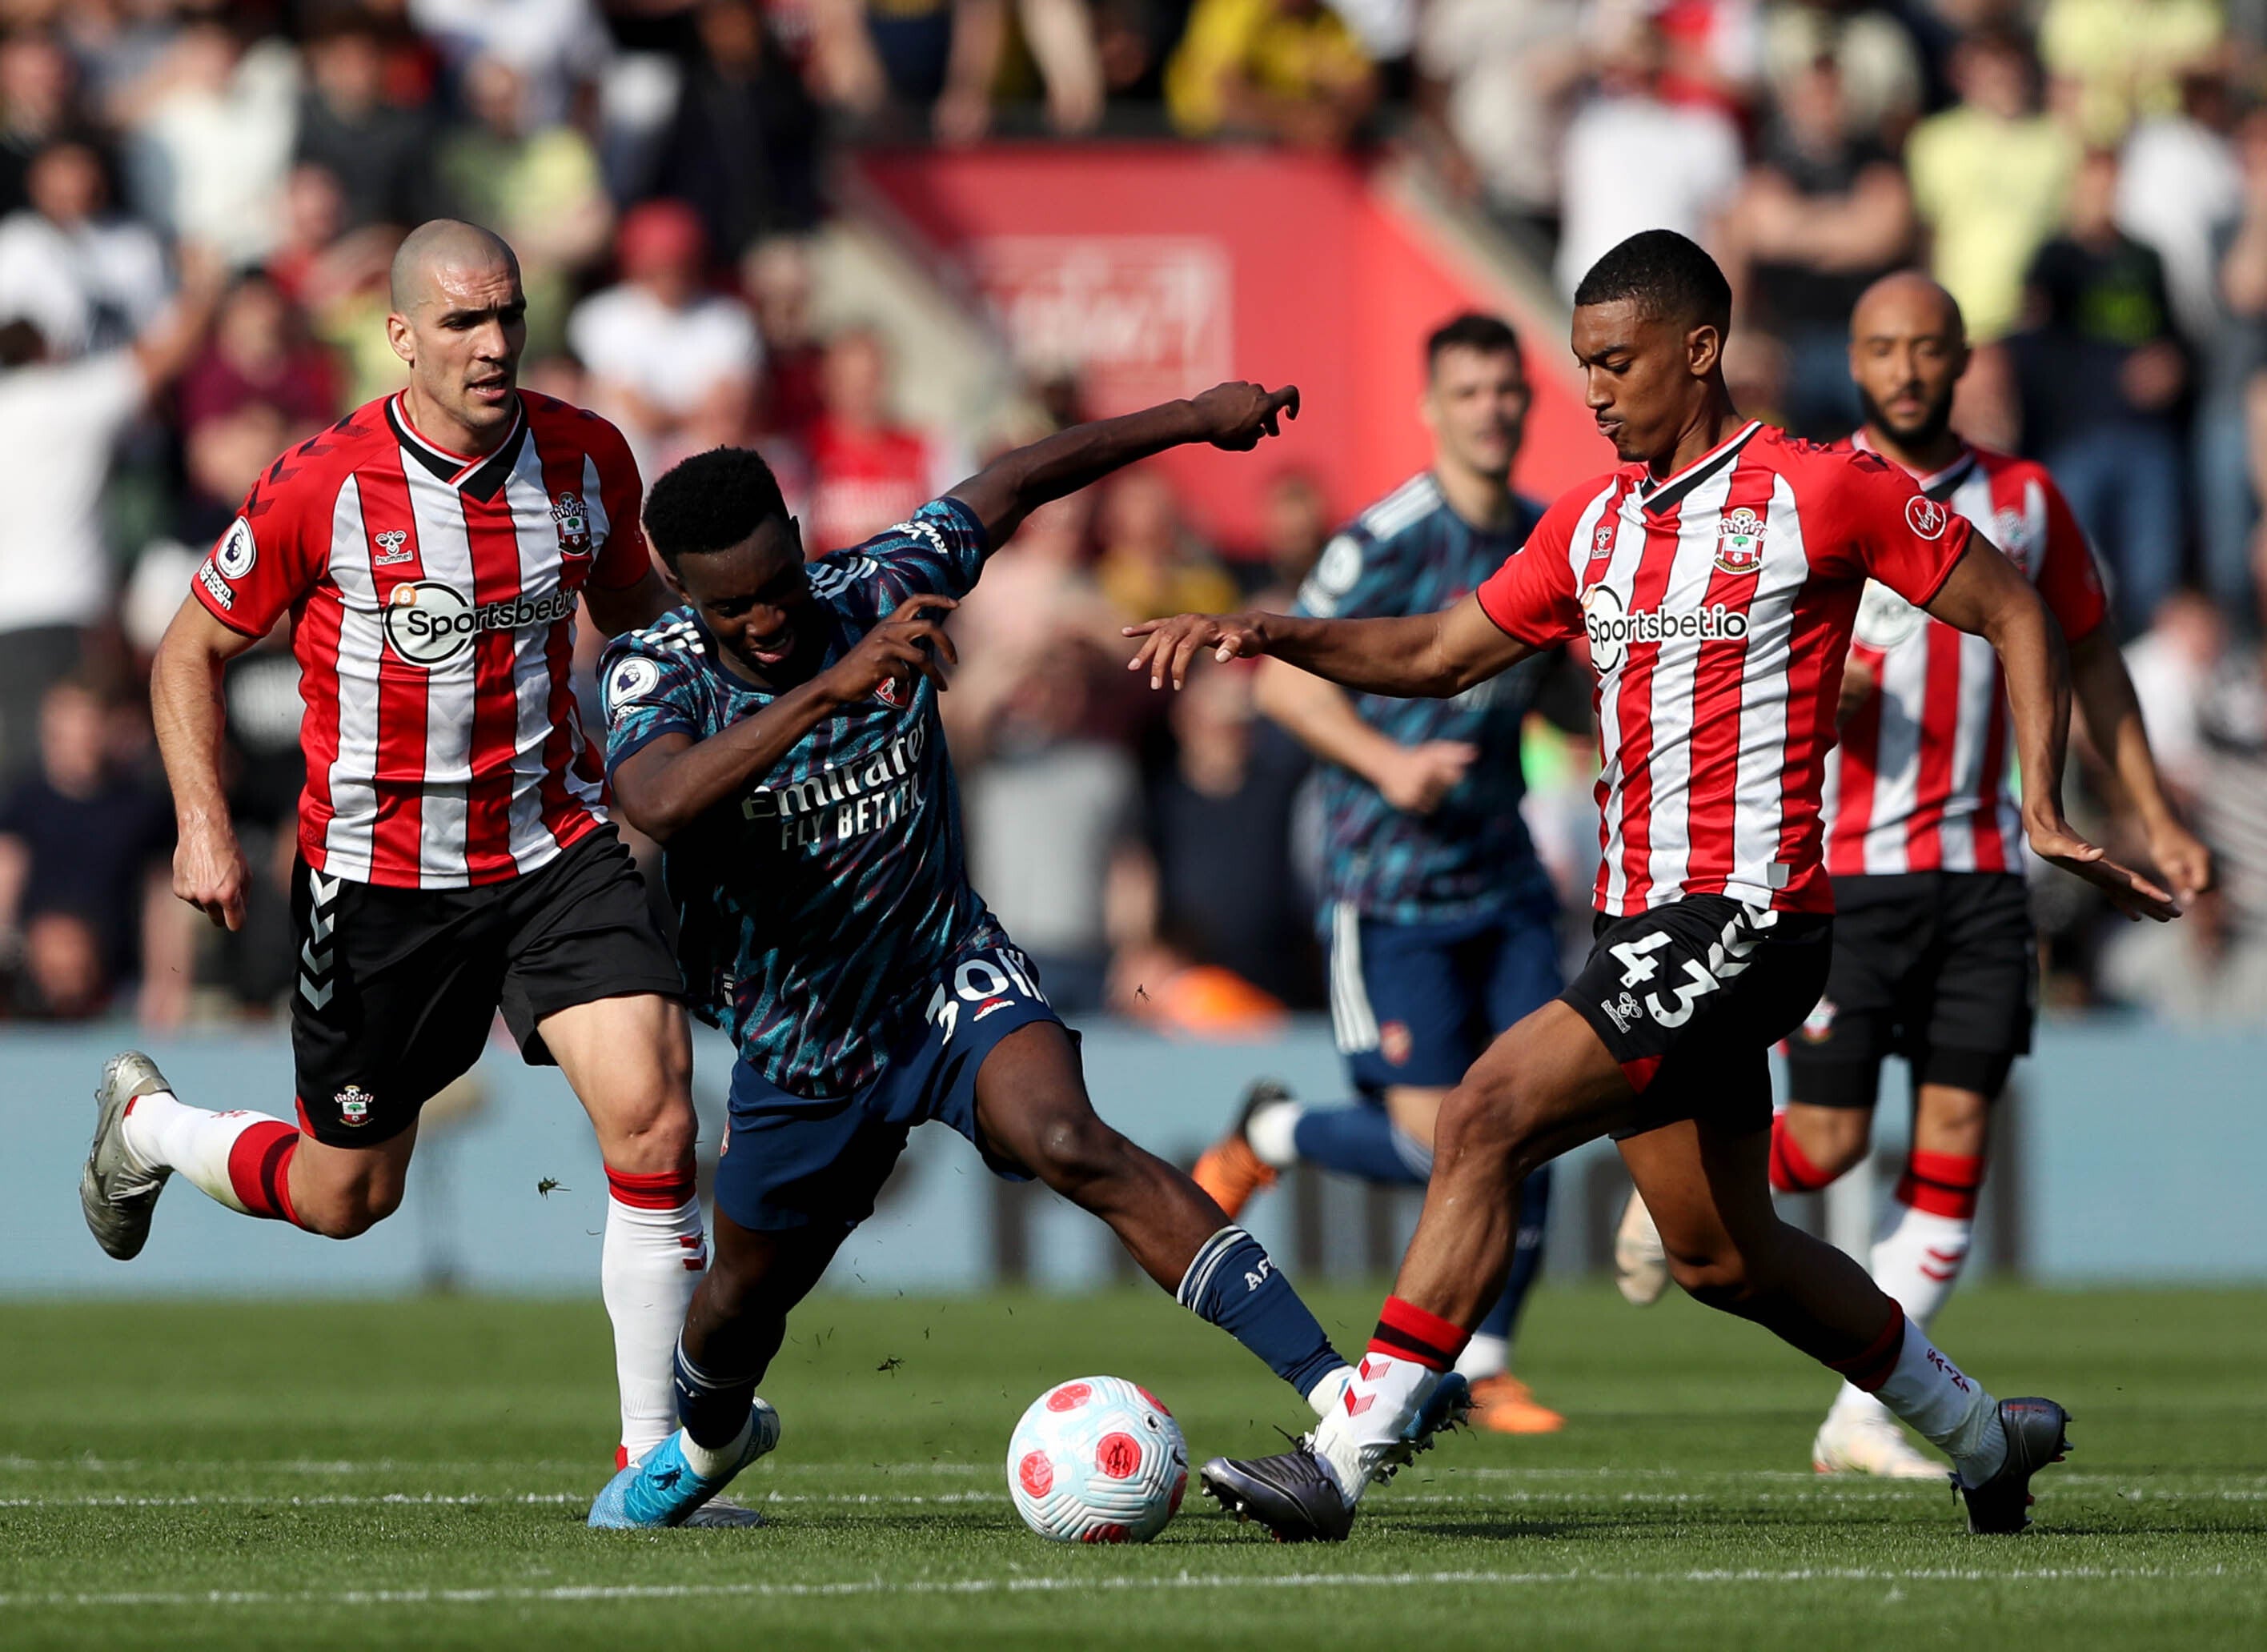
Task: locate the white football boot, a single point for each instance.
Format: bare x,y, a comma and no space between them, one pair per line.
1865,1439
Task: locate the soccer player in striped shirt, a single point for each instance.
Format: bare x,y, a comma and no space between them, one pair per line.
1935,959
455,855
1714,577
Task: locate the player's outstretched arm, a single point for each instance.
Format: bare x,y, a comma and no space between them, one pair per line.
1234,416
666,785
2113,717
189,714
1414,656
1987,596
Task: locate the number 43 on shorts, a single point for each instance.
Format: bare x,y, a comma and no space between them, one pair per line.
983,984
1728,957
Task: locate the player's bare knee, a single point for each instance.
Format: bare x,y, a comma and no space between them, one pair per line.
349,1212
1078,1150
654,1132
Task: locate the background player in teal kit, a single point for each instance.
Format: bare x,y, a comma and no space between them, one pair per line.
1442,927
778,734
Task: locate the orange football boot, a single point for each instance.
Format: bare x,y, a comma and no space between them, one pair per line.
1504,1405
1229,1170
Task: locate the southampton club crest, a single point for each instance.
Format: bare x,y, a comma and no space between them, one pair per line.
354,1105
1740,543
572,521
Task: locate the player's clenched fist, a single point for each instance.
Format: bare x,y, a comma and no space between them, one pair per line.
209,873
1236,416
1169,647
908,645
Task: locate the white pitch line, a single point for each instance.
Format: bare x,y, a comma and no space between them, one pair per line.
1085,1585
1433,1472
1906,1492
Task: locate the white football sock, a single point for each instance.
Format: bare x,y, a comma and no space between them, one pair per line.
1272,1132
1917,1260
1952,1411
1484,1356
1379,1404
648,1267
162,1132
1326,1395
710,1462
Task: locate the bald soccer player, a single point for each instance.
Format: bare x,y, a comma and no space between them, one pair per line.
455,856
1935,959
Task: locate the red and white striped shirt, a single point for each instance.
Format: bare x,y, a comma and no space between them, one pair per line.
1919,782
1718,605
432,600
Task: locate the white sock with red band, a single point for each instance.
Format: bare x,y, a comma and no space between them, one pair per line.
654,1255
242,1160
1922,1243
1407,1354
1904,1371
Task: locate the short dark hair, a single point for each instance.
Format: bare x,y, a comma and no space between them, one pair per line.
710,502
1667,276
1490,334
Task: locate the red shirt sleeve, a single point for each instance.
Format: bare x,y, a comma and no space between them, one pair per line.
1532,597
623,560
2069,581
269,557
1879,525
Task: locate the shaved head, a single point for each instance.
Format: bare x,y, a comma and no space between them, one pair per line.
1908,349
458,322
443,244
1909,301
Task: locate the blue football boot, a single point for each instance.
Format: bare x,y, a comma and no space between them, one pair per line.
660,1489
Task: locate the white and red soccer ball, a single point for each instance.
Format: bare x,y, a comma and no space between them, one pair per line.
1097,1460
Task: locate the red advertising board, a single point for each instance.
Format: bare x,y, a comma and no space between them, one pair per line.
1154,270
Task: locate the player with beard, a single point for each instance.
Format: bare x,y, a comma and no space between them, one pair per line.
432,549
1716,575
1935,959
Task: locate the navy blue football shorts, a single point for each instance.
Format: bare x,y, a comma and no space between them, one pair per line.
789,1162
1415,1004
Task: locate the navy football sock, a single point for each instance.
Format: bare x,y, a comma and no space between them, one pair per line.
1233,1283
713,1409
1358,1139
1526,1256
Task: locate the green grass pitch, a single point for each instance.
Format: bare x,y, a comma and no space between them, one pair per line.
413,1474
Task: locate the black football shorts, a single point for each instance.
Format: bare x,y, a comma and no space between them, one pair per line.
397,988
1941,968
1691,996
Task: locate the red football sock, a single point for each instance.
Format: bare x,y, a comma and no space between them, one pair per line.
1942,1184
260,1170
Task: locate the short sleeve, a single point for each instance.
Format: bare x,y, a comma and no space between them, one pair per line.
623,560
266,559
646,692
1875,523
1356,577
1532,597
2070,581
937,551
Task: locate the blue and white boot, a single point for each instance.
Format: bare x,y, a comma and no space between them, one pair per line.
662,1489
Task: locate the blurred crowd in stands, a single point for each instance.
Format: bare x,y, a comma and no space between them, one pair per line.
198,201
